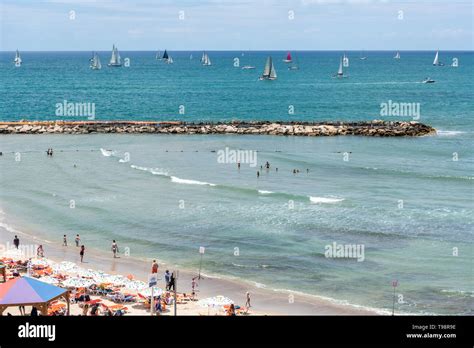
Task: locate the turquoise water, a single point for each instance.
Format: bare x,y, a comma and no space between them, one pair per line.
174,196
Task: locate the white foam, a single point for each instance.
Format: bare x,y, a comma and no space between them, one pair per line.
263,192
106,153
448,133
189,182
325,199
154,171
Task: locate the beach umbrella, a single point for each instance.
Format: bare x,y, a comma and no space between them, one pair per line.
135,285
85,273
64,266
49,280
116,280
217,301
147,292
76,282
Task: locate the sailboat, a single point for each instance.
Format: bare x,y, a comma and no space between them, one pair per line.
288,58
95,62
17,59
115,60
436,61
340,72
158,55
269,72
397,56
167,58
205,60
345,60
294,65
247,67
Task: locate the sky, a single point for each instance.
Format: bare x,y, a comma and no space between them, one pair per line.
85,25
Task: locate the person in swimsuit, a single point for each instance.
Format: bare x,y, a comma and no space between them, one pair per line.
81,253
114,248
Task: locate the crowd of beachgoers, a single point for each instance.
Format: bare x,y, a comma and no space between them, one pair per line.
96,293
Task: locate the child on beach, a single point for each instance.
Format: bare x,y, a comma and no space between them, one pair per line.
114,248
154,267
40,251
64,240
77,240
81,253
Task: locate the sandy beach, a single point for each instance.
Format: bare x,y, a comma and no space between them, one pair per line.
263,301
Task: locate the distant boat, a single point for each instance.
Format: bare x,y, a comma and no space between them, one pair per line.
17,59
340,71
95,62
345,60
269,72
428,80
115,60
167,58
288,58
294,65
158,55
397,56
165,55
205,60
191,57
362,56
436,61
248,67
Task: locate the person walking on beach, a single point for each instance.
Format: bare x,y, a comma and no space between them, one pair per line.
258,174
64,240
40,251
114,248
167,279
77,240
171,283
16,242
154,267
81,253
247,302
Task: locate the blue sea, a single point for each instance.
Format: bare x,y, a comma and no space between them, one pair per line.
408,201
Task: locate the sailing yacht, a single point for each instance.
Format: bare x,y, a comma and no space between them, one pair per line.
436,61
115,60
288,58
158,55
340,72
95,62
294,65
269,72
205,60
17,59
345,60
167,58
397,56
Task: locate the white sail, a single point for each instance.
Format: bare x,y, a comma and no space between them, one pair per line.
273,73
346,61
269,72
203,58
115,58
340,71
206,60
158,55
17,59
95,62
436,59
169,60
397,56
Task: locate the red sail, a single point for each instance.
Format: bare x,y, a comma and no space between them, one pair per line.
288,57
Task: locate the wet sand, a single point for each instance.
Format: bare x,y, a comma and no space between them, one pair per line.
263,301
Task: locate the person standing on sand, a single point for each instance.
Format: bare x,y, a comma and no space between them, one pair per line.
114,248
40,251
16,242
77,240
81,253
258,174
154,267
171,283
167,279
238,165
64,240
247,302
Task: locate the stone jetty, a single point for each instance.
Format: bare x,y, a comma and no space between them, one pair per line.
376,128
